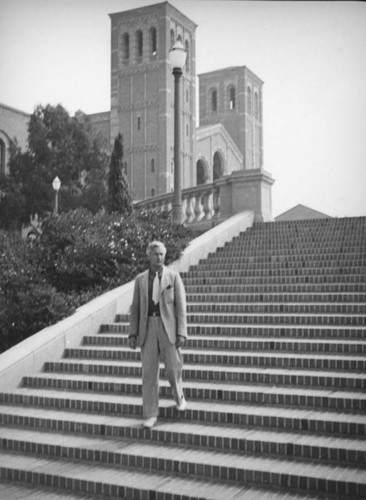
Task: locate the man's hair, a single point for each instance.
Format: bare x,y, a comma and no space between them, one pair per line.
155,244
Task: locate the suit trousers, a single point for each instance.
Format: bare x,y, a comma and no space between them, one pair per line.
158,346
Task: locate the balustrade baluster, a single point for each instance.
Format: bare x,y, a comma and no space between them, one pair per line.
207,205
198,207
189,210
216,203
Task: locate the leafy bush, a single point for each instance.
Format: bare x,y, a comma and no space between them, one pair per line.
83,252
28,302
78,257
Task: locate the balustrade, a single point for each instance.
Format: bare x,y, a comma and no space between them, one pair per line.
200,203
228,195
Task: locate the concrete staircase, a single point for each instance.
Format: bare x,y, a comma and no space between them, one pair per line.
275,375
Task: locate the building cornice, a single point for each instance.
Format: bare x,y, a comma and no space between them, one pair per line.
14,110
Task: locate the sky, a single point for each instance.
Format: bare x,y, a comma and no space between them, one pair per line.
310,55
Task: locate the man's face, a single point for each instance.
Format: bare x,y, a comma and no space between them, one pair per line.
157,258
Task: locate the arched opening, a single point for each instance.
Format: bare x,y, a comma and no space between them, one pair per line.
214,100
139,43
249,100
187,58
201,172
172,38
2,157
218,168
256,105
232,97
153,43
126,46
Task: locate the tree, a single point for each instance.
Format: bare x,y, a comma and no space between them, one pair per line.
58,145
11,204
119,197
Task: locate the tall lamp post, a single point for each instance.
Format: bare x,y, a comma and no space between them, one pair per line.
177,57
56,184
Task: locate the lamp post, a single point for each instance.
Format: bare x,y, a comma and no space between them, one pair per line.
177,57
56,184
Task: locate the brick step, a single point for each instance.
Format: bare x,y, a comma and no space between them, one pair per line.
245,255
239,393
311,298
253,239
243,343
288,288
343,239
19,491
324,422
117,482
219,270
288,253
351,381
124,483
234,468
277,331
276,264
311,361
277,319
277,280
270,308
298,446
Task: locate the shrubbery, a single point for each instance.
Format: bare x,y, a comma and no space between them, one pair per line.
78,257
28,302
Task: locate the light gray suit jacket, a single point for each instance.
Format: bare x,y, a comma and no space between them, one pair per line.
172,306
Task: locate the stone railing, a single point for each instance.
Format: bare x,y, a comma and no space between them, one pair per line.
208,204
199,203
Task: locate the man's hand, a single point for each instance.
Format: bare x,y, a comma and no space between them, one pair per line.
180,341
132,341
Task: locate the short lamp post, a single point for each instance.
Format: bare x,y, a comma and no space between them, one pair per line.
177,57
56,184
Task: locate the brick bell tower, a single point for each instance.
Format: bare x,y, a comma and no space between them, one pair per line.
233,96
142,96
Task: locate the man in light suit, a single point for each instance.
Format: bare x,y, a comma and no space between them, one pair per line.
158,326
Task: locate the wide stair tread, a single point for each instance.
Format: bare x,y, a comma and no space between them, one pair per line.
132,483
213,373
168,456
203,436
117,382
113,402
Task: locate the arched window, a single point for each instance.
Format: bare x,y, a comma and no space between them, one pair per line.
232,102
2,157
126,46
153,192
172,38
187,58
249,100
153,43
256,105
179,38
217,166
152,165
214,100
201,173
139,43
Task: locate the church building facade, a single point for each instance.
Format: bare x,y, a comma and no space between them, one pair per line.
229,137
